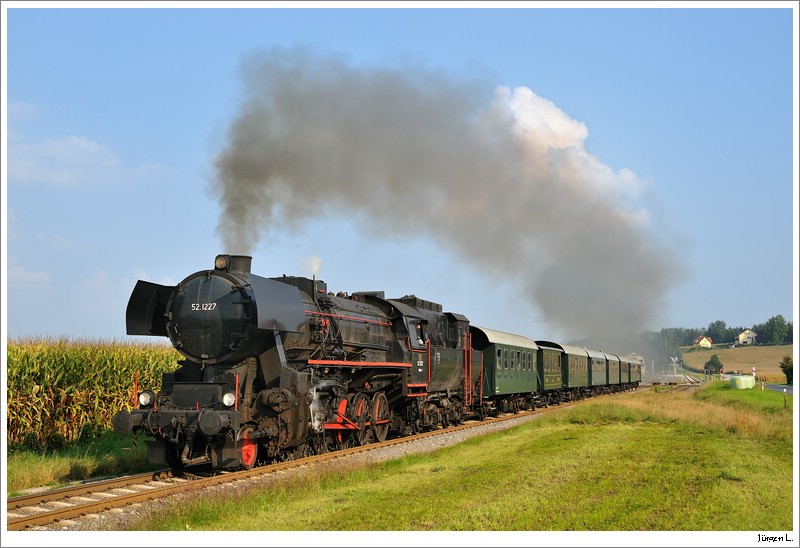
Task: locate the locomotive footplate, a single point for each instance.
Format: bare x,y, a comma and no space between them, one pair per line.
207,421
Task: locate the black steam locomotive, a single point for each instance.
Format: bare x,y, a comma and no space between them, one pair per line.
279,368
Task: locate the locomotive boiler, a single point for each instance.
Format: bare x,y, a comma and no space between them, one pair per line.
280,367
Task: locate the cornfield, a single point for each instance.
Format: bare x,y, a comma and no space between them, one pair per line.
59,390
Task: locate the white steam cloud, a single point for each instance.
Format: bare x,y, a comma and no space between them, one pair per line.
505,180
311,266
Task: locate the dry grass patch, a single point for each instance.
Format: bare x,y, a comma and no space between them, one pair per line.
712,410
766,360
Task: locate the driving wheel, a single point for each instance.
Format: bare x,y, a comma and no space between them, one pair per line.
379,416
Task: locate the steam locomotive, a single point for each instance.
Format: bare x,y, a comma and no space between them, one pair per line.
278,368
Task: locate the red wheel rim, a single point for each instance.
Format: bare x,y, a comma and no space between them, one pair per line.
340,415
379,416
249,451
360,415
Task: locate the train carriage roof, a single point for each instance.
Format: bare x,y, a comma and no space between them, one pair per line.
596,354
493,336
566,348
611,357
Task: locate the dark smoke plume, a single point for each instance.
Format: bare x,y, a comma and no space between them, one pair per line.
500,175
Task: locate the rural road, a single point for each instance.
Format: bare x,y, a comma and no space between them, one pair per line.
779,388
776,387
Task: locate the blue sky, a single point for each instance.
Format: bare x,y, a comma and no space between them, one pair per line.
115,118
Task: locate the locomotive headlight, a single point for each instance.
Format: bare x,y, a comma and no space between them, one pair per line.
146,398
229,399
222,262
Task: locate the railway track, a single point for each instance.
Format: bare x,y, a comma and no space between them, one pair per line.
64,505
52,506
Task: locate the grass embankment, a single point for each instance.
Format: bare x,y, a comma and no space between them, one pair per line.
107,455
717,460
766,360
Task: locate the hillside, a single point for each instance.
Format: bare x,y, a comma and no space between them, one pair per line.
766,359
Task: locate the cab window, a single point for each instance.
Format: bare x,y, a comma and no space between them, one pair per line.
417,333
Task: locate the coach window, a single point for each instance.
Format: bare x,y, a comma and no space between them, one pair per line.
505,358
499,358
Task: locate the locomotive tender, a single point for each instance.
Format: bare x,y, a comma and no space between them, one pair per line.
279,368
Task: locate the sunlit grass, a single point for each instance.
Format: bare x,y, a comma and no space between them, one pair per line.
107,455
648,461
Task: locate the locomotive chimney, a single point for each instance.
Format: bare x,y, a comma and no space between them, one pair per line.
241,263
233,263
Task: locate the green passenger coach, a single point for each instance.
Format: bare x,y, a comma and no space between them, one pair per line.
574,364
509,363
624,370
613,368
549,369
599,368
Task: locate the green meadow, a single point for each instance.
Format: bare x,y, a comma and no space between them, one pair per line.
715,459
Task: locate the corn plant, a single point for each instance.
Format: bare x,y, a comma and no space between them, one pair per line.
59,389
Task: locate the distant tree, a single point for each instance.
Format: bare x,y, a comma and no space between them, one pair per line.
673,339
774,331
787,367
719,332
690,334
760,329
789,333
713,365
654,347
